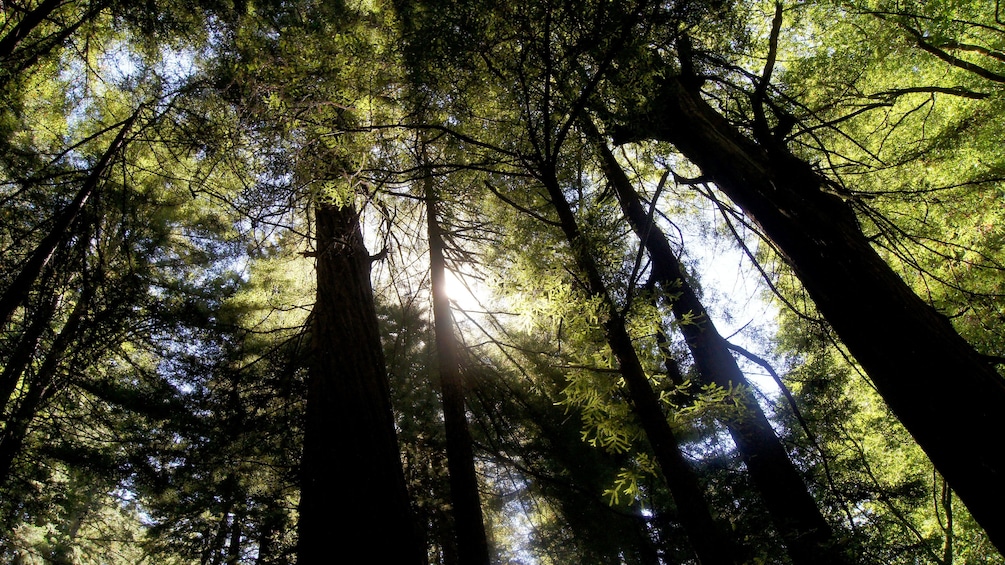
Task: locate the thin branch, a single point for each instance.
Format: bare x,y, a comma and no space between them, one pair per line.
523,209
950,90
953,60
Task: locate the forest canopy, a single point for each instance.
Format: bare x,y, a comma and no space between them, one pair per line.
467,282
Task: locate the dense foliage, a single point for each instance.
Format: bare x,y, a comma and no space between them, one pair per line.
637,273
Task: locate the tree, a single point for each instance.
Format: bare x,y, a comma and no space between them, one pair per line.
348,395
806,533
60,231
886,326
214,226
472,545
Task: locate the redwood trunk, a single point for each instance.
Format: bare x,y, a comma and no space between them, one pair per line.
472,544
353,492
710,543
943,391
807,534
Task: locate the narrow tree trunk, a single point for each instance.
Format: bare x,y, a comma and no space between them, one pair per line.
42,387
711,544
213,554
30,21
14,295
24,352
947,505
353,490
943,391
806,533
472,544
234,546
268,529
18,64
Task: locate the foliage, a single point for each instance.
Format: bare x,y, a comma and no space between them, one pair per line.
161,160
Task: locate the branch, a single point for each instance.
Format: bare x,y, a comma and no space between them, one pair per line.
761,129
527,211
724,211
952,59
950,90
795,412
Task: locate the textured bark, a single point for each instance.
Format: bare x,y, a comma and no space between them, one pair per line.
807,535
710,543
472,544
353,491
943,391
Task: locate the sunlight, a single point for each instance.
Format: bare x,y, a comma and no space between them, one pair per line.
465,292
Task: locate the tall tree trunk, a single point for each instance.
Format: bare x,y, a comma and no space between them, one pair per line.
30,21
13,66
710,543
16,58
42,387
27,346
234,546
213,553
270,525
472,544
943,391
806,533
352,486
14,295
580,474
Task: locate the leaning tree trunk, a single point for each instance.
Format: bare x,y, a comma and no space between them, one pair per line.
944,392
807,535
29,22
15,294
27,346
42,386
353,492
15,57
469,529
710,543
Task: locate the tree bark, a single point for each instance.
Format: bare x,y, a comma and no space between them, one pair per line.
472,543
17,58
943,391
353,490
234,546
807,535
710,543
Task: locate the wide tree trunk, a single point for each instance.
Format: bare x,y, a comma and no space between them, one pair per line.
711,544
353,492
472,543
807,535
943,391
